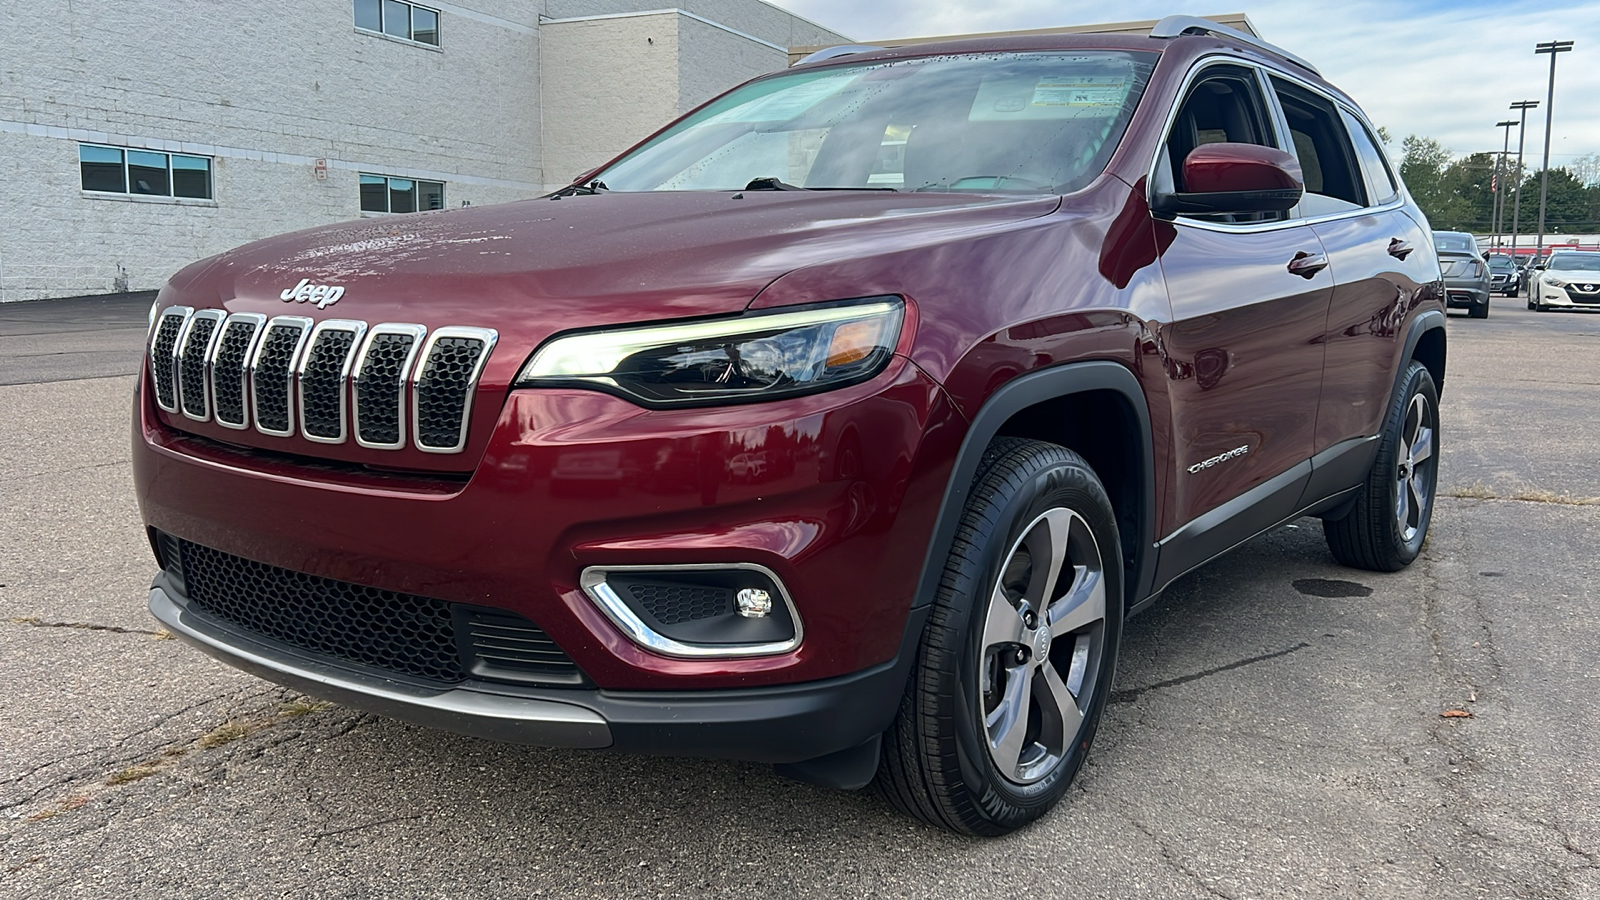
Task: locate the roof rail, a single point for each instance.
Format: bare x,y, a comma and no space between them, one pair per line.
841,50
1178,26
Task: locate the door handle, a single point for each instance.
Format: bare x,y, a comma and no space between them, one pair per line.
1307,265
1399,249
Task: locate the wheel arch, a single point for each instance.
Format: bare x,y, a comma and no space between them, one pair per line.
1051,405
1425,343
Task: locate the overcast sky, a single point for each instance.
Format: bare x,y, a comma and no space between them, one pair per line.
1446,69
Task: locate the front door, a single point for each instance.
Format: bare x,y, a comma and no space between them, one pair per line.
1244,351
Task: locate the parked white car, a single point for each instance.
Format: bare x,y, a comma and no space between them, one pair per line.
1571,279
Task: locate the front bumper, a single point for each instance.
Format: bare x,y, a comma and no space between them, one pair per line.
774,724
840,511
1571,295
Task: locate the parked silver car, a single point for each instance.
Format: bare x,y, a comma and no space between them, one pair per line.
1466,275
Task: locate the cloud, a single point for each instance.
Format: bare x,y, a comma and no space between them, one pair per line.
1446,69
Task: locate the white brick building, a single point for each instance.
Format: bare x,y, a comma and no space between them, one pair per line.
267,118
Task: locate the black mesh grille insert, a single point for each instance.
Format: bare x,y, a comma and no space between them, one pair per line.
443,388
192,366
272,376
321,384
378,390
229,370
671,604
399,632
161,359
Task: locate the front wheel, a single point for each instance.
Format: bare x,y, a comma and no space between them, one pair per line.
1384,530
1017,658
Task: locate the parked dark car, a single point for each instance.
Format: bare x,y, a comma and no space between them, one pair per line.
763,442
1466,275
1504,276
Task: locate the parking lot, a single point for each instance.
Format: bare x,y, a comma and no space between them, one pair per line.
1279,727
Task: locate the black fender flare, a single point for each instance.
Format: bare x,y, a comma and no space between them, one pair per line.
1013,397
1424,322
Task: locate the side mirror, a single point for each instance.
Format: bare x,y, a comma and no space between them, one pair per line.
1235,178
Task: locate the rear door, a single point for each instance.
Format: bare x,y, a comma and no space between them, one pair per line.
1244,351
1380,262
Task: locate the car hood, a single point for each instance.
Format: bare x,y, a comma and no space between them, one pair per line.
1587,276
542,266
533,268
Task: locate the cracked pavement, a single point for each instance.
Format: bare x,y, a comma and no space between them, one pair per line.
1276,728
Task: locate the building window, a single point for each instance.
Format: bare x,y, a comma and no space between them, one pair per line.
396,18
118,170
383,194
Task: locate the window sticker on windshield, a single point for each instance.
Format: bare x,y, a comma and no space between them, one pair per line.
1081,90
1061,94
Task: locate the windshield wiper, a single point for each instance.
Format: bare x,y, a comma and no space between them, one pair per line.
572,190
768,183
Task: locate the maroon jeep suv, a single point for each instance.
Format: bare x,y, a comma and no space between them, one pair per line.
839,425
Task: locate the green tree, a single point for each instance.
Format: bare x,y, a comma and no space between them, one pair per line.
1468,184
1571,207
1423,167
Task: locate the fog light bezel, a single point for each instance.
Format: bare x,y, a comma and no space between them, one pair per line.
593,582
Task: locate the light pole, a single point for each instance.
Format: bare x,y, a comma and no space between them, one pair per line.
1516,203
1498,207
1552,48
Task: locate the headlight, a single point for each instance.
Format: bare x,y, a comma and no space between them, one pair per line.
753,357
1554,281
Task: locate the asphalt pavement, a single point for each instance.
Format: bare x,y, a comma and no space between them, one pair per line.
1281,727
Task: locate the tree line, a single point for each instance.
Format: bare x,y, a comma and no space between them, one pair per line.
1457,194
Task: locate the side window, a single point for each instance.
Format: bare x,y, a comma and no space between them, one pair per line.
1223,105
1333,183
1374,168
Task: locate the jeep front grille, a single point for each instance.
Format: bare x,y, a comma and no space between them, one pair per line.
323,376
230,369
164,357
452,361
404,634
326,381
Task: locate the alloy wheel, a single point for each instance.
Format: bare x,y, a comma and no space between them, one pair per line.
1413,481
1042,641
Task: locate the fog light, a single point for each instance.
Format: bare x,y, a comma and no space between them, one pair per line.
753,603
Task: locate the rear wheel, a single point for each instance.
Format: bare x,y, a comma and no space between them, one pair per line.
1017,658
1385,529
1479,310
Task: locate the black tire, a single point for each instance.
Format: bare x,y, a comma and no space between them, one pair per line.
1479,310
1378,533
939,763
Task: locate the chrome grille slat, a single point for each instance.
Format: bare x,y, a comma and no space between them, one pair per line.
378,384
322,374
442,387
194,352
272,374
230,368
164,354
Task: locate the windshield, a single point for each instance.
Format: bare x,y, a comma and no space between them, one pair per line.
1576,262
1039,122
1454,243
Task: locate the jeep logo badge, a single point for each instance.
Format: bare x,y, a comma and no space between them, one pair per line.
323,295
